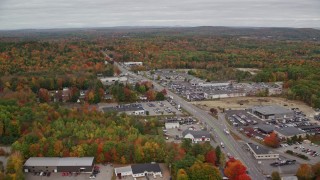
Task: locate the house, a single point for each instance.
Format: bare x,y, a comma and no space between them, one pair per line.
57,164
260,152
123,171
141,170
196,136
272,112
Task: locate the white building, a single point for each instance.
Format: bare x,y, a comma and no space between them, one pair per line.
261,153
133,63
196,136
204,84
171,125
223,94
123,171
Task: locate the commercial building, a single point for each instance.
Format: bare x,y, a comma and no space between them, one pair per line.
223,94
57,164
140,170
272,112
133,63
171,124
266,129
205,84
131,109
289,132
261,153
123,171
112,80
197,136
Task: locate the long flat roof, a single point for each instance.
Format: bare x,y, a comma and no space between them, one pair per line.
258,149
142,168
289,131
57,161
269,110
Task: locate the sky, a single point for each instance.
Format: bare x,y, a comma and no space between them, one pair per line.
47,14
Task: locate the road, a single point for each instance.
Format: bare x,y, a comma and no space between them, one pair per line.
231,145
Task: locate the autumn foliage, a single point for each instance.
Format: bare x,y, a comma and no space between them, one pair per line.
235,170
272,140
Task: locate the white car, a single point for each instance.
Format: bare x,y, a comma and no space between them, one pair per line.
92,176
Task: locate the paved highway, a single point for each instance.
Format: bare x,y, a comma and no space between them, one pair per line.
231,145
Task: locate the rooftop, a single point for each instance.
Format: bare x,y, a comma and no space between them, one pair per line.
196,134
258,149
141,168
123,108
289,131
57,161
266,128
122,169
269,110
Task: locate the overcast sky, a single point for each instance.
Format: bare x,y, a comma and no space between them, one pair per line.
22,14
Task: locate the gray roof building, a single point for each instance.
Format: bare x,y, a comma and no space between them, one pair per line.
272,112
57,164
124,108
260,152
267,129
142,168
289,131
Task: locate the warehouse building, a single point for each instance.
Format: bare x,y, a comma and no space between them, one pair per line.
289,132
266,129
272,112
57,164
261,153
131,109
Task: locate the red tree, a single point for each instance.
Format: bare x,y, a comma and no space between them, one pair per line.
211,157
272,140
234,169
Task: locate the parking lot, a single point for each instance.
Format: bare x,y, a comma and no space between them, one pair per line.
157,108
309,150
106,172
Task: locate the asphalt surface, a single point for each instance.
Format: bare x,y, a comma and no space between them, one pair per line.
231,145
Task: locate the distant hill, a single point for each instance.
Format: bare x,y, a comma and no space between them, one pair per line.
308,34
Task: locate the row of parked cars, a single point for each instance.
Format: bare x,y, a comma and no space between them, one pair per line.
310,152
283,163
42,174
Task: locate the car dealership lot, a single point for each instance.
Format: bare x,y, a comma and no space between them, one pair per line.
309,150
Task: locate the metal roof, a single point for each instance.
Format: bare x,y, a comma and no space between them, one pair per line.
57,161
266,128
142,168
269,110
258,149
289,131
